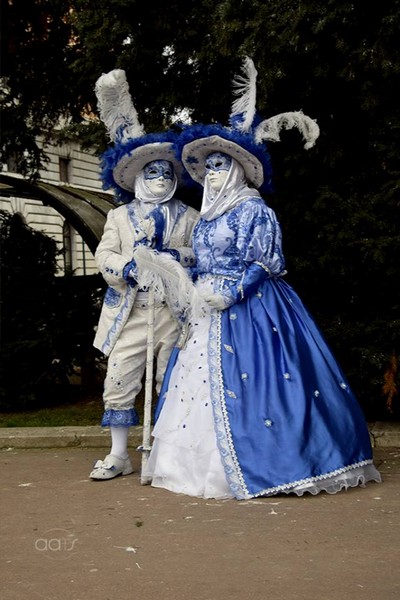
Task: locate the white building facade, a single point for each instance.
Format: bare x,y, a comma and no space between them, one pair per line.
70,169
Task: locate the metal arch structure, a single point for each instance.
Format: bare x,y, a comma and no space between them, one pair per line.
85,210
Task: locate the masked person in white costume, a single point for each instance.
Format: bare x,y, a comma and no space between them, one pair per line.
146,168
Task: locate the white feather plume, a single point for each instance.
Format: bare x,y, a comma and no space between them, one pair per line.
116,107
169,280
245,90
270,128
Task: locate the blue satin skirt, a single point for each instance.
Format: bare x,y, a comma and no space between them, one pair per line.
285,416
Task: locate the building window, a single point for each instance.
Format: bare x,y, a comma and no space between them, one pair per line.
12,164
67,246
64,169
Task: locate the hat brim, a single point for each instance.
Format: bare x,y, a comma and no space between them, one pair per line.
131,164
194,155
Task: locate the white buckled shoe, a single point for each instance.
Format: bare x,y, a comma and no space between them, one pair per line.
111,467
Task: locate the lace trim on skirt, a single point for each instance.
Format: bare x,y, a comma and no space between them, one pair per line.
356,475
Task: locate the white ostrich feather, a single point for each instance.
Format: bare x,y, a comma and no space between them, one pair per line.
270,128
245,88
169,280
116,107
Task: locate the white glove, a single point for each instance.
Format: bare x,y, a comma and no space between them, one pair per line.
216,301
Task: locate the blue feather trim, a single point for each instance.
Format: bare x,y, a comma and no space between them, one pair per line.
184,134
189,133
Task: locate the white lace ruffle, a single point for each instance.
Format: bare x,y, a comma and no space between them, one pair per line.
358,476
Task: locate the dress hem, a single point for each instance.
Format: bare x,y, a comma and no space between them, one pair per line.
329,482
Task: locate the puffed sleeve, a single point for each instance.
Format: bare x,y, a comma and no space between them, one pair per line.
260,243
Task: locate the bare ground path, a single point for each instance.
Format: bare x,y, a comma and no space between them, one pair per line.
65,537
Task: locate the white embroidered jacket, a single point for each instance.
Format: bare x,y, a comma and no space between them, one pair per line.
123,231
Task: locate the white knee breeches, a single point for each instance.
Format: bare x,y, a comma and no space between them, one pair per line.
127,360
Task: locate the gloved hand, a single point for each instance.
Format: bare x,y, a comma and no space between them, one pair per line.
129,273
172,252
251,279
216,301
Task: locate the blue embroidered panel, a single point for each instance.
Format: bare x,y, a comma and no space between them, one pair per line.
120,418
229,243
112,298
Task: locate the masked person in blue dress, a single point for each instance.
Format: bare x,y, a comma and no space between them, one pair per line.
254,403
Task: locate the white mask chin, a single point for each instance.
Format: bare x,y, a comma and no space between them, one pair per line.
216,179
158,194
159,187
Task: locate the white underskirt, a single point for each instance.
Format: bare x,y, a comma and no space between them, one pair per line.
184,457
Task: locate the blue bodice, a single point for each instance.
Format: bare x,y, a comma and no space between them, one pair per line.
228,244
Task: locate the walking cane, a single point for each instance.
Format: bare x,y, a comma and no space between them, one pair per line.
148,395
158,270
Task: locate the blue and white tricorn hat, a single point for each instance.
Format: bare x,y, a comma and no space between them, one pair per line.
244,139
132,149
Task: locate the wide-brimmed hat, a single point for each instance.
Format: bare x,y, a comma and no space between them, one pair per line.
122,162
132,148
194,155
244,139
131,164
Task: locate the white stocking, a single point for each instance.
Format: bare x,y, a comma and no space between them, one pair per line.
119,439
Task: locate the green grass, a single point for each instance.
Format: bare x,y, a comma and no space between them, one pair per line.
82,411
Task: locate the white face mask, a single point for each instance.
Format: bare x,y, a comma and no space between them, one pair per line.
160,186
159,177
217,168
234,190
